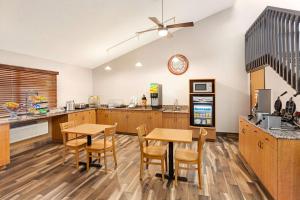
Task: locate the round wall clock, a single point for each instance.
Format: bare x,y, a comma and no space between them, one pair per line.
178,64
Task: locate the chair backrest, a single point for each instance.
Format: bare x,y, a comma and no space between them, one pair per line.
109,134
201,141
64,126
141,131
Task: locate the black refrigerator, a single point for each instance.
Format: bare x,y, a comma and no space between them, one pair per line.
202,110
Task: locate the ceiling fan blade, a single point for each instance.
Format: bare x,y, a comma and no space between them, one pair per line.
187,24
156,21
152,29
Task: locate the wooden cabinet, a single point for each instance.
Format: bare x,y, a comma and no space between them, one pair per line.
80,117
269,163
92,116
4,145
129,120
175,120
154,120
182,120
136,118
120,117
103,116
288,169
260,151
242,137
168,120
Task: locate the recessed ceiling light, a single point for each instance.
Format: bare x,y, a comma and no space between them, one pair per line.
107,68
138,64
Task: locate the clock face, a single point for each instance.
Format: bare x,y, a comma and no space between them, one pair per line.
178,64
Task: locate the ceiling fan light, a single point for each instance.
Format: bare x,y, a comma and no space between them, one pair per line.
163,32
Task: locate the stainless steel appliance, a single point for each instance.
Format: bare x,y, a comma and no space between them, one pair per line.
80,105
70,105
156,95
205,86
264,100
202,110
271,122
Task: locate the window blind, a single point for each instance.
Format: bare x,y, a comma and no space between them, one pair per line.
17,82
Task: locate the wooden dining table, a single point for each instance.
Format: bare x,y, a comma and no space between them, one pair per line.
171,136
88,130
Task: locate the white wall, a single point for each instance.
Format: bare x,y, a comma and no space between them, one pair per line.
278,86
215,49
72,82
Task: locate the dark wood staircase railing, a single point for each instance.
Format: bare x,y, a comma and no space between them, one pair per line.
273,39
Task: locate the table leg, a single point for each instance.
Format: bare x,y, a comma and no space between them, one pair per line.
170,175
171,161
92,163
89,143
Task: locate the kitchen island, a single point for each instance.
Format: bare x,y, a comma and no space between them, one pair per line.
274,156
87,115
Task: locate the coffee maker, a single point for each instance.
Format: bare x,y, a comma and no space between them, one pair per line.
156,95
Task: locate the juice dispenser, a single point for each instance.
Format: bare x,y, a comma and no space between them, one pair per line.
156,95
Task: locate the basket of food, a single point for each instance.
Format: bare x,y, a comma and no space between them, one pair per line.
12,108
38,105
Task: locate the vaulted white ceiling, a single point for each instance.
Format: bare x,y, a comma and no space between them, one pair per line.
78,32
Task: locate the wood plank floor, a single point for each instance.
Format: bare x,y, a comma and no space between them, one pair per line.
39,174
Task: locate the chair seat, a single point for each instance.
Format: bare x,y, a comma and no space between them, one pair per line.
99,144
155,150
76,142
186,155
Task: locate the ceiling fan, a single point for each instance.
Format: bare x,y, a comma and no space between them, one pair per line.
163,28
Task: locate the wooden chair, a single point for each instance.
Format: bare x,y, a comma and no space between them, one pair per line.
108,144
187,156
73,146
151,153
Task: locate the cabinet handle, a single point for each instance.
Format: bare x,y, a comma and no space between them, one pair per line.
258,144
267,139
262,145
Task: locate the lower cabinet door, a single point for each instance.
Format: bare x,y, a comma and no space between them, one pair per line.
169,120
254,151
92,116
103,116
137,118
120,117
182,120
242,138
154,120
4,145
269,168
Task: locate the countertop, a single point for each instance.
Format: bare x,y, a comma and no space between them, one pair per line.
183,109
25,118
279,134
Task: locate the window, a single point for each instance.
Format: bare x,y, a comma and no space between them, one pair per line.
17,82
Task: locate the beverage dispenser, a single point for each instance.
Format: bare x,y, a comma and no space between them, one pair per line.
156,95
